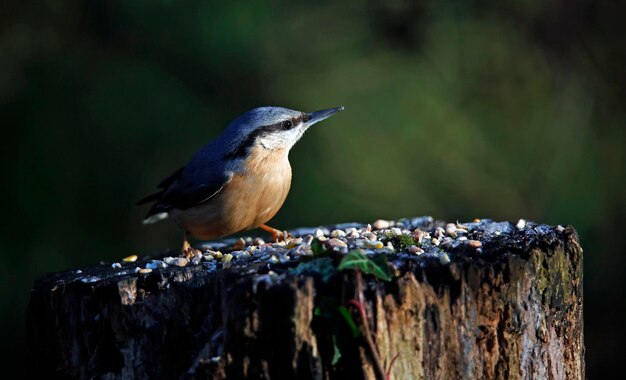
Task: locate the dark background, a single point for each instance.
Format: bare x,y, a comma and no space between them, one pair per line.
453,109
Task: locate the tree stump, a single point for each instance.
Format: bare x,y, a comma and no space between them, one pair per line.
478,300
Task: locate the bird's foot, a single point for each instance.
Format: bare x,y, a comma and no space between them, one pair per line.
277,235
188,251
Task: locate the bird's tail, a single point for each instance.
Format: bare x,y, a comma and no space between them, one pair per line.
155,218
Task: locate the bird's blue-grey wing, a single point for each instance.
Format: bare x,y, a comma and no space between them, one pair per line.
189,186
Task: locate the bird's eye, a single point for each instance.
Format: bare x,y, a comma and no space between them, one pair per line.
287,124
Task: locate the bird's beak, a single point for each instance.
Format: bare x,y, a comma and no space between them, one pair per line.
317,116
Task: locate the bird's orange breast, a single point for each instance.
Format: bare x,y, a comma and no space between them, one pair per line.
246,201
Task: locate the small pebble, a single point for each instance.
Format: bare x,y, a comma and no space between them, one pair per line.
462,238
474,243
381,224
435,241
273,259
444,259
209,257
319,233
144,270
116,265
130,259
560,228
227,258
78,271
258,241
521,224
415,249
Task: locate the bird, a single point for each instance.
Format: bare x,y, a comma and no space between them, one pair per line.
238,181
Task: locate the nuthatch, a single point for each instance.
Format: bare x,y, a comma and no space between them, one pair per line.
237,182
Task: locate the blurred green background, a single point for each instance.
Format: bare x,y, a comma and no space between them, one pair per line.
453,109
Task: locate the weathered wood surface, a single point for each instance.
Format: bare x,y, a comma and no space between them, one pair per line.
512,311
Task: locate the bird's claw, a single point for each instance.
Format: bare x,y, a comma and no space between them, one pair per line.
277,235
281,236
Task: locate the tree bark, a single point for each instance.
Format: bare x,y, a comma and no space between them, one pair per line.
511,310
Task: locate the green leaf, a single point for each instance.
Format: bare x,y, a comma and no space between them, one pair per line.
337,352
347,316
317,247
357,260
381,264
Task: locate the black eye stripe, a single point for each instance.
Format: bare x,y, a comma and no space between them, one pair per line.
241,150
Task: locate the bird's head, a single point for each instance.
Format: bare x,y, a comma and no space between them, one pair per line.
270,128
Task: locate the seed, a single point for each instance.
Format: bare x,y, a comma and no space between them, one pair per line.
337,234
116,265
415,249
294,243
450,228
435,241
370,244
334,242
418,235
370,236
439,232
181,261
227,258
444,259
144,270
352,232
474,243
395,231
560,228
155,264
381,224
273,259
130,259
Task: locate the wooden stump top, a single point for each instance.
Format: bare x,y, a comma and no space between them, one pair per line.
470,300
